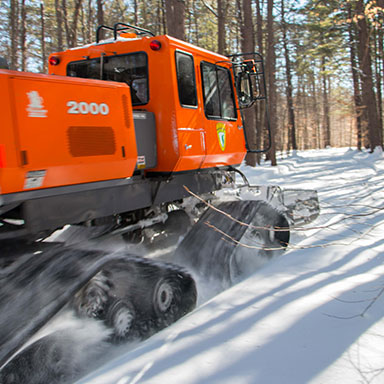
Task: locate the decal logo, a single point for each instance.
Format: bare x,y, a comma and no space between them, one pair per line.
83,108
36,105
221,130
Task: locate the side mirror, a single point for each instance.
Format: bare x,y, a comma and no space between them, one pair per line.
244,89
249,79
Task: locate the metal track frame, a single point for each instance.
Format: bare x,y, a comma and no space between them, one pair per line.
49,209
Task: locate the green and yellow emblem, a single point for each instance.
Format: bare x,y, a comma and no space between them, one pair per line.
221,135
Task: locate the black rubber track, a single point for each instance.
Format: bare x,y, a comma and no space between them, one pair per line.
35,287
209,252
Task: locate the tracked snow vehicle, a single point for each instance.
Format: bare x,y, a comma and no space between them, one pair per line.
121,136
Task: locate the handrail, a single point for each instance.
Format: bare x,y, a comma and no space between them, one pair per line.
100,28
115,29
129,26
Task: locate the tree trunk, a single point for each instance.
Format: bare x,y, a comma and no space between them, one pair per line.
260,107
368,94
100,17
161,18
310,141
164,17
175,16
23,36
271,66
355,78
71,28
221,26
59,25
326,118
89,24
291,112
381,42
247,45
381,52
259,28
43,49
75,22
195,23
135,12
378,42
316,111
66,22
13,17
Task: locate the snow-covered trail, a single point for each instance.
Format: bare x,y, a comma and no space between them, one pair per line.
313,315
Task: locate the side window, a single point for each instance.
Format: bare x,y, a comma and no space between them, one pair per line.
186,79
89,69
131,69
210,90
228,109
218,92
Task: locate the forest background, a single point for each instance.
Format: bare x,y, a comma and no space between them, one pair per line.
324,59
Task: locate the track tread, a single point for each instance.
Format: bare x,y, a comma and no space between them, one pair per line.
37,286
209,252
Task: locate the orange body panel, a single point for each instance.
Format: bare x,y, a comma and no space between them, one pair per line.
186,138
60,131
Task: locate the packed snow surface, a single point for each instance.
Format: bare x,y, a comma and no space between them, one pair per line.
313,315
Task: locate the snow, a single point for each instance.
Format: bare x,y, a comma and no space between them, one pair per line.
313,315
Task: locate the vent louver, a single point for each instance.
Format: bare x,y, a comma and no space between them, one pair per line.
91,141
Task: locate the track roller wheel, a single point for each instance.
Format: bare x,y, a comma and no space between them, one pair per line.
120,318
92,300
162,296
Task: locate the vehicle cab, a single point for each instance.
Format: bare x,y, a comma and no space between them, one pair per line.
184,99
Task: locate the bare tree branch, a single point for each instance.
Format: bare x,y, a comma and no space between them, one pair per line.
209,8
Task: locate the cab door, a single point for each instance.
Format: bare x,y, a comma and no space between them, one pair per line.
190,129
225,144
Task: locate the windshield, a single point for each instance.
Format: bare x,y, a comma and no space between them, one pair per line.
131,69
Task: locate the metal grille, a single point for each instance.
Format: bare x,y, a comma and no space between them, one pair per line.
91,141
125,109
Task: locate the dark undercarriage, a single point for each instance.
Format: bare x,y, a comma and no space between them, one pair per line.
33,213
